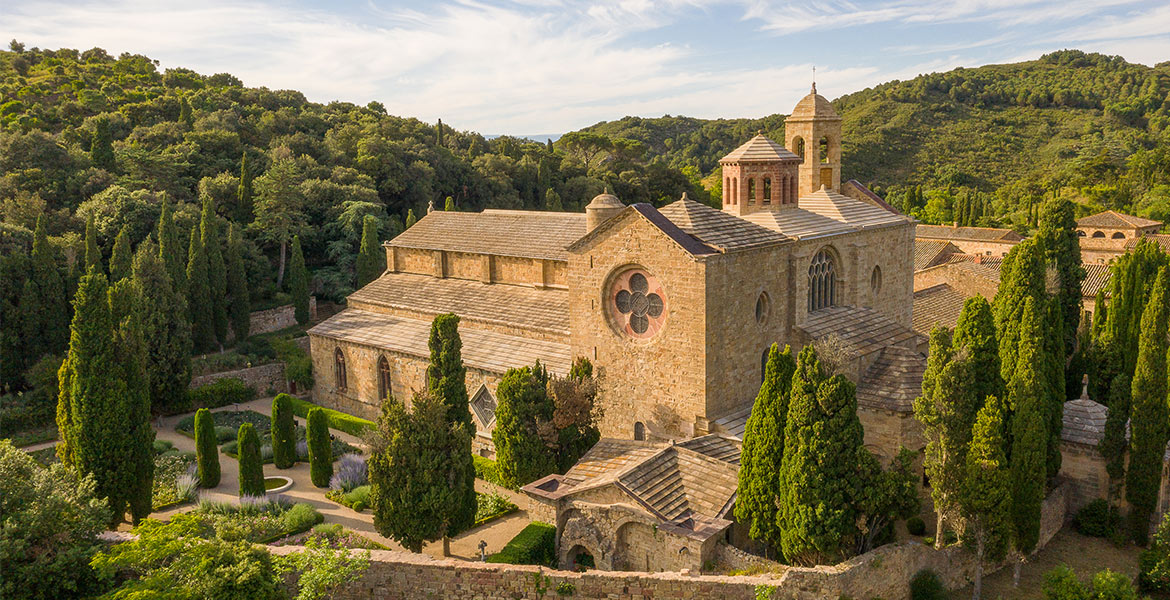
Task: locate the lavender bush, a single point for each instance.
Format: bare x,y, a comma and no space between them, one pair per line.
349,473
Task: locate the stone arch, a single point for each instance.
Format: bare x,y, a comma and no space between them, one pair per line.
340,377
625,556
385,387
639,431
823,279
1098,234
1117,235
875,280
824,149
580,558
1081,233
726,190
767,190
751,190
735,190
798,147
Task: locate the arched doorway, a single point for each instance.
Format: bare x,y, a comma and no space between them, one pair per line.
580,559
639,431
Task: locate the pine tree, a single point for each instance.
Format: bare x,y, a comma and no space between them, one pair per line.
216,271
206,449
763,450
449,204
1113,442
244,194
446,380
1149,420
371,259
240,299
121,259
522,403
320,447
199,295
93,254
279,208
251,466
986,493
167,338
1027,399
1054,363
298,282
101,146
415,472
1058,237
410,218
1022,277
132,411
284,432
171,251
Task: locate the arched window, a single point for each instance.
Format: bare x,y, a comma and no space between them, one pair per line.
726,190
767,190
1119,236
798,147
735,190
752,189
822,281
384,387
763,307
875,280
639,431
339,369
824,149
1098,234
1081,233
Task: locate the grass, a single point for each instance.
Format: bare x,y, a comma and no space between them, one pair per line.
45,456
534,545
35,435
338,420
334,535
271,483
230,419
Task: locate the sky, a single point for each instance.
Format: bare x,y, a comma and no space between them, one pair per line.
533,67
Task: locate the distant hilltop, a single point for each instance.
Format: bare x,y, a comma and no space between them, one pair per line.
536,137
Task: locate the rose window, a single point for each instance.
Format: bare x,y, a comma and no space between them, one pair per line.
638,304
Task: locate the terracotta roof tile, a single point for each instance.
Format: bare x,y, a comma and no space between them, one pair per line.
943,232
893,381
760,149
718,229
1114,220
521,233
1160,239
937,305
928,253
1097,277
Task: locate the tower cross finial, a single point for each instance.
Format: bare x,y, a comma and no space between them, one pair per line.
814,79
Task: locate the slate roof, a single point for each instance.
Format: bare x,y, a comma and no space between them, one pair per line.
545,310
928,253
1084,422
735,422
718,229
1097,277
487,350
797,223
760,149
1111,219
853,212
716,446
861,330
937,305
1160,239
518,233
893,381
687,242
943,232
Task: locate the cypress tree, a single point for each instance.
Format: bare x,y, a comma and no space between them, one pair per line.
132,412
1113,443
552,200
251,467
763,450
121,258
1022,277
410,218
1054,363
320,448
206,449
986,495
46,316
1058,237
439,133
240,309
446,380
1149,418
167,339
1133,275
93,254
298,282
199,295
101,146
523,403
1027,399
449,204
284,432
170,250
216,272
186,117
371,259
975,335
244,194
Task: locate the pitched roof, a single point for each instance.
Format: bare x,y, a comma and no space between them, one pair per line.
760,149
519,233
487,350
718,229
688,243
719,447
943,232
1084,422
860,330
1160,239
937,305
861,215
1111,219
893,381
1097,277
797,223
928,253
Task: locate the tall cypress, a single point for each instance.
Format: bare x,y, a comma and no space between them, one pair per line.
410,218
206,449
975,334
216,272
244,193
447,381
371,259
1027,399
93,254
523,403
46,317
132,412
170,250
1133,275
1022,277
121,259
763,450
251,466
240,299
101,147
167,338
1113,442
199,296
1149,418
1058,237
1054,365
320,447
986,497
298,282
284,430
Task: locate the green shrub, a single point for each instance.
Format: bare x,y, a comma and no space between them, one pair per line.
1097,519
224,434
298,365
284,432
221,393
338,420
251,466
320,450
1154,564
301,517
357,498
534,545
491,506
926,585
1062,583
206,449
488,470
915,526
162,446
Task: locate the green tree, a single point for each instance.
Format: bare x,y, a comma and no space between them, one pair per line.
1054,364
1021,277
121,258
244,193
446,375
132,411
44,313
101,146
1113,442
883,496
216,271
206,449
575,412
1133,275
449,204
279,208
251,466
298,282
410,218
763,450
284,432
985,500
1057,236
171,251
239,298
1149,420
1027,397
167,338
416,466
322,569
186,117
552,200
371,260
975,335
199,304
320,447
93,254
523,405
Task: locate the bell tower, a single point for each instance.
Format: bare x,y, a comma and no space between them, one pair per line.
813,132
759,175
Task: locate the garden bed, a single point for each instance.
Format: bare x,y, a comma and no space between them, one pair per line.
257,520
175,482
334,536
489,507
227,424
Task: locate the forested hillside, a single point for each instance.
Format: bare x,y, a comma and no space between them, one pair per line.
980,145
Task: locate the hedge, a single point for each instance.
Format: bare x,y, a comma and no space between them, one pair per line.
223,392
534,545
337,420
488,470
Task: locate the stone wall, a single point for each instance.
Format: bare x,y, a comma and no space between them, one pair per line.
275,319
1084,469
259,378
984,247
965,281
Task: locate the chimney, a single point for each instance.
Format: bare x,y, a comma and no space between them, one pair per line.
603,207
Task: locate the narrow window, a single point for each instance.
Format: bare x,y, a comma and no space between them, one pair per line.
767,190
822,282
339,374
752,189
639,431
384,387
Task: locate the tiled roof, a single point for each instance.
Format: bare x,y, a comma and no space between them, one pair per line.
734,423
850,211
797,223
760,149
861,330
718,229
1161,239
928,253
937,305
607,458
1097,277
521,233
687,242
1114,220
519,306
943,232
719,447
893,381
487,350
1084,422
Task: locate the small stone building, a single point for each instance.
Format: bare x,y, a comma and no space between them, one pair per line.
1107,234
633,505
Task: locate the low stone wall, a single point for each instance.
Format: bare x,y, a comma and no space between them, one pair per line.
275,319
259,378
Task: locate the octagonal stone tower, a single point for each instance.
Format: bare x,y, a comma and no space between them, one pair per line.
759,175
813,133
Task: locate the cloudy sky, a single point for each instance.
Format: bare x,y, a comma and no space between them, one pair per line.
548,66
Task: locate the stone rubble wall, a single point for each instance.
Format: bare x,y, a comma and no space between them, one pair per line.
275,319
259,378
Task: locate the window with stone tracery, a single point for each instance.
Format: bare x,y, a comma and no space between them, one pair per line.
822,281
637,303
